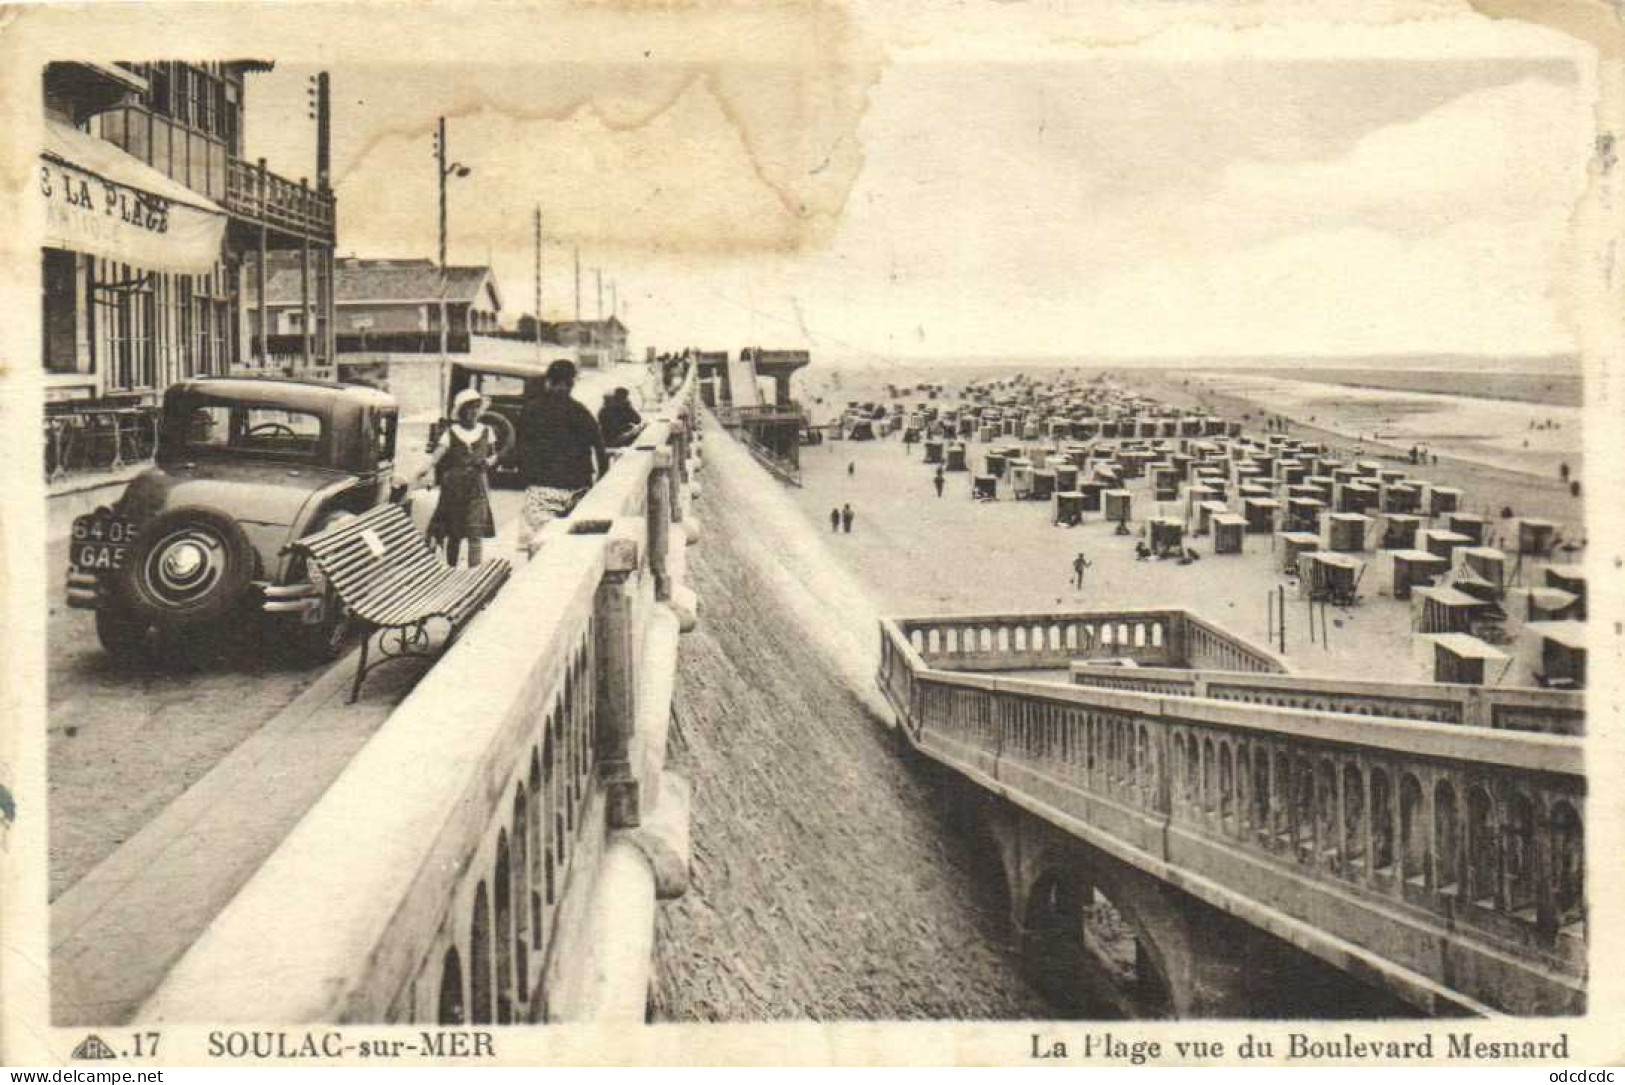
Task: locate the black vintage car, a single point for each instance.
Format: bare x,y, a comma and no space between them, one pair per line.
244,467
505,385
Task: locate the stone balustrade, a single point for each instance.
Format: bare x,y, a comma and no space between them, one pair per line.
1150,638
1447,860
1545,711
495,849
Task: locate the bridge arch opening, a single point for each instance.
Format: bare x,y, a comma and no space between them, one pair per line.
479,958
1328,848
1260,785
502,883
451,1009
1518,851
521,893
1303,807
1353,820
1568,862
1382,823
1412,832
1280,783
552,822
1483,865
1210,789
537,877
1446,838
1089,953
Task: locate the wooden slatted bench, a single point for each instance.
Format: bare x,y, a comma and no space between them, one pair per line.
392,584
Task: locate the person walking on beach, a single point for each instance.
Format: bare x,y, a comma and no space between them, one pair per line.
559,450
846,518
851,468
939,481
835,520
1079,564
464,453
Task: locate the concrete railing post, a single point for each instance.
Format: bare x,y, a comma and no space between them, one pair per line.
660,516
616,692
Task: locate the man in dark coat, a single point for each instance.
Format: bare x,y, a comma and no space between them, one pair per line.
560,449
618,420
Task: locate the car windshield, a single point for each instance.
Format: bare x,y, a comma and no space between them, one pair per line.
193,428
499,384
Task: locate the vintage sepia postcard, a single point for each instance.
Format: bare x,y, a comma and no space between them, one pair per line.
812,531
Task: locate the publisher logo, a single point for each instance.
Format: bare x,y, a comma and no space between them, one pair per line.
94,1047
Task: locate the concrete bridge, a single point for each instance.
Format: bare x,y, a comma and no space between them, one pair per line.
1426,841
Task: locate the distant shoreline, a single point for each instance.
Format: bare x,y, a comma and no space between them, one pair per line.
1545,389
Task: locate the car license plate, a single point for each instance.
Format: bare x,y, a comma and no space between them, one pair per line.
100,541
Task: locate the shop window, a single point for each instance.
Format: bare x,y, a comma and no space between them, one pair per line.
59,301
202,102
125,316
222,338
202,333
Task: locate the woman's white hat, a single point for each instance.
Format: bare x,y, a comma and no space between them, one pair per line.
465,397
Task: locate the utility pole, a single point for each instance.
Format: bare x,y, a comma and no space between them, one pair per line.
538,282
324,133
578,284
440,157
600,273
440,172
443,171
324,185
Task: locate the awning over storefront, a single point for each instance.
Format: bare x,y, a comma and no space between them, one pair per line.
102,201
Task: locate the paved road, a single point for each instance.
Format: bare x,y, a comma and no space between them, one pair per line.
125,741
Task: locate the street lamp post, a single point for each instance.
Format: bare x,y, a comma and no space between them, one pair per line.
444,170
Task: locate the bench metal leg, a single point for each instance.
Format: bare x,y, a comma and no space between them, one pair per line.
409,641
361,668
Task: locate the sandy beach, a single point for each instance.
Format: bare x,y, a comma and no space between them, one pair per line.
920,554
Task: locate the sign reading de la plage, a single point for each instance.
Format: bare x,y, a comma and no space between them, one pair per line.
77,201
101,201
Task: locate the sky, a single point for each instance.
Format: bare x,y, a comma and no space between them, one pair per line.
1010,180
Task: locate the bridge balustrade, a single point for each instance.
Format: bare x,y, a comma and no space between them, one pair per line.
1148,638
1542,711
449,873
1454,853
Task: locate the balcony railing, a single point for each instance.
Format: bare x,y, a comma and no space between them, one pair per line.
259,195
371,343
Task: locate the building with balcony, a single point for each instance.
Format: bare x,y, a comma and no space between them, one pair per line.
152,214
382,305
